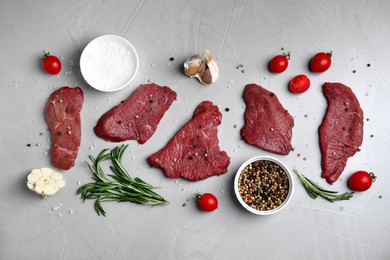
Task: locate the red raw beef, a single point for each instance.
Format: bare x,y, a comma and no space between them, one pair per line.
136,118
193,153
341,131
63,118
267,124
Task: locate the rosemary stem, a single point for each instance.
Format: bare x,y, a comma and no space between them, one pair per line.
120,187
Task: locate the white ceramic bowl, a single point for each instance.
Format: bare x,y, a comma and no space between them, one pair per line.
109,63
264,212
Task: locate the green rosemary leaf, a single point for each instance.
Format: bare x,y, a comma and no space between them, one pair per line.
319,187
98,208
119,186
314,190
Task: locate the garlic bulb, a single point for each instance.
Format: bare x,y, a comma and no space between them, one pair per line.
45,181
204,68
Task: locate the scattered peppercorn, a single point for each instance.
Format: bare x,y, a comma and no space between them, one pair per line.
368,65
227,109
171,59
263,185
28,145
354,71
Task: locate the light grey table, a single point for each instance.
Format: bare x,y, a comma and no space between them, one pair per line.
238,32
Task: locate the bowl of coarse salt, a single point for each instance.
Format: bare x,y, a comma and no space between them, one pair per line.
109,63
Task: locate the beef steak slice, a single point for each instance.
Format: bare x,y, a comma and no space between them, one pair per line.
137,117
341,131
268,124
193,153
63,118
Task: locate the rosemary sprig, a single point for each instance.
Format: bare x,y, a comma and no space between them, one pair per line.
119,186
314,190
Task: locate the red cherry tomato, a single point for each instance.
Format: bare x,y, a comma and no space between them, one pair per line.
207,201
321,62
279,63
51,64
299,84
361,180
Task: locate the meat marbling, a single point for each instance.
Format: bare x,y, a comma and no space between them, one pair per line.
63,118
341,131
267,124
137,117
194,153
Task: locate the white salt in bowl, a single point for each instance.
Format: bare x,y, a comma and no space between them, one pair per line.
109,63
281,170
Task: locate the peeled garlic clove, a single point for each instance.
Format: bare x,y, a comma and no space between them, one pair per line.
56,176
206,78
46,172
34,176
60,183
49,190
45,181
39,186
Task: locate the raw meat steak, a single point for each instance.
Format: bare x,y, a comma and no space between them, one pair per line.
193,153
136,118
341,131
267,124
63,118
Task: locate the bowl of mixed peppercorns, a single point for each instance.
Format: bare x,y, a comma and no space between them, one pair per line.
263,185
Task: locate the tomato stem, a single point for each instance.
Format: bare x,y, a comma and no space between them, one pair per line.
372,176
197,196
287,55
329,54
45,55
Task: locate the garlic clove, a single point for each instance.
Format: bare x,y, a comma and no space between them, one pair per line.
49,190
46,172
34,176
39,186
56,176
192,65
207,55
214,71
45,181
206,78
204,68
60,183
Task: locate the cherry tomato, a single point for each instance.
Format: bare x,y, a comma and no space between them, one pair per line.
51,64
207,201
299,84
321,62
279,63
361,180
